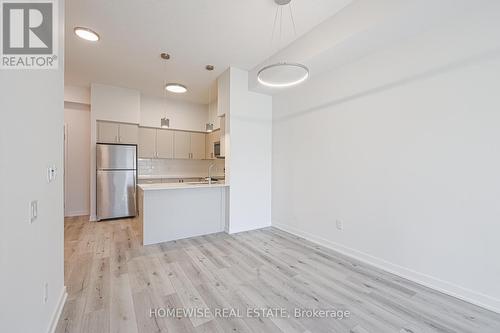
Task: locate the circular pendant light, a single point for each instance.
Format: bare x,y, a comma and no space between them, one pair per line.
175,88
283,75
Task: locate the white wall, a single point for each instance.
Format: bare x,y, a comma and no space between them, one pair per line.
31,139
115,103
75,94
183,115
77,159
402,146
248,156
212,114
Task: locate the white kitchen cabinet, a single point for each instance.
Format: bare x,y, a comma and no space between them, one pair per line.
155,143
164,143
197,146
182,145
161,143
147,143
128,134
110,132
107,132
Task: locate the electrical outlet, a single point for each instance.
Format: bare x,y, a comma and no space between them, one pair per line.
340,225
33,210
45,292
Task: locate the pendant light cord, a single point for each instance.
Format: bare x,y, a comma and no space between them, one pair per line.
279,13
274,25
293,21
281,25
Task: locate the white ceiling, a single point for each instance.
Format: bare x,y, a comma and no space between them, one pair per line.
195,32
362,28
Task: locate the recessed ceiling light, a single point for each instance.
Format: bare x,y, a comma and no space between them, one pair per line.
209,67
176,88
86,33
165,56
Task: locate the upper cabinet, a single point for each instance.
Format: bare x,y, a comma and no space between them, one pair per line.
182,145
189,145
172,144
164,143
107,132
198,146
223,94
110,132
147,143
155,143
128,133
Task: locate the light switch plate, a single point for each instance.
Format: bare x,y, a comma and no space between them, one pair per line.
51,173
33,210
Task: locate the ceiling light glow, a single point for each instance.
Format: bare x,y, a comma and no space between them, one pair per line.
87,34
176,88
283,75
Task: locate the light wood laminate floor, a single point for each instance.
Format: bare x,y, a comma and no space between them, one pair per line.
113,282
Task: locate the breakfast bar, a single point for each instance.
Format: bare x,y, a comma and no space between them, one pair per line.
172,211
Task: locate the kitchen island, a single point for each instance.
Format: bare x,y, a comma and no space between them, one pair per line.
171,211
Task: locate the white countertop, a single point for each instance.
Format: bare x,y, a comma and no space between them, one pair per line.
177,186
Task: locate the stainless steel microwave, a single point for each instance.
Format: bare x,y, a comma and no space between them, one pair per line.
217,150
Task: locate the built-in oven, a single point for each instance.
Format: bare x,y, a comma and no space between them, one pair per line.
217,150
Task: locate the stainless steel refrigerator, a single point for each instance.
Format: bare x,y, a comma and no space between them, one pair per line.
116,180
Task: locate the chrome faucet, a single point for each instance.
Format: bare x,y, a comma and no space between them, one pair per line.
210,167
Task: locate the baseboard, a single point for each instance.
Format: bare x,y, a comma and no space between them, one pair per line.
73,214
445,287
58,310
236,231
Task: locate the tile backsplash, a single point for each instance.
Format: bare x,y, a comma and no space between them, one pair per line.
179,168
